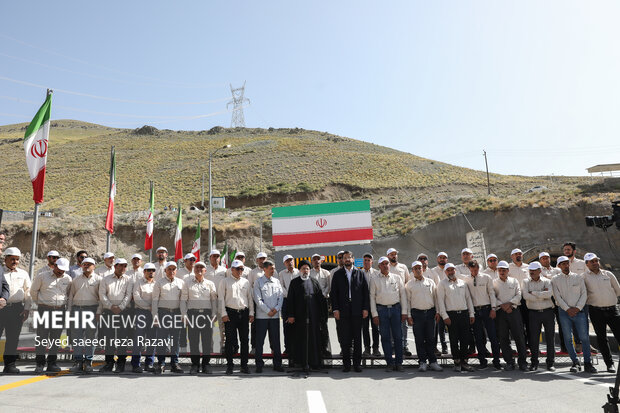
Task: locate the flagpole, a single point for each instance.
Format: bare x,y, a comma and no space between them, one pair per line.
151,250
109,235
35,225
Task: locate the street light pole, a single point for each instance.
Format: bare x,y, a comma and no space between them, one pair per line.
211,198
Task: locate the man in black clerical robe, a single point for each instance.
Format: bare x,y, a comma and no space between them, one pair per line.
306,299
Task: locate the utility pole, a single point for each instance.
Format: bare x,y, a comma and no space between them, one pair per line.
203,192
487,166
238,99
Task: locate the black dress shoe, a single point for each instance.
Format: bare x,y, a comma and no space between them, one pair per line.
53,367
137,370
245,370
158,368
40,368
206,369
107,368
229,370
279,369
11,369
175,368
259,369
149,368
357,369
120,367
346,369
611,368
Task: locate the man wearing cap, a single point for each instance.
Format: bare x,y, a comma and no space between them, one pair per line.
50,292
350,304
438,274
370,273
466,256
483,298
240,256
508,319
135,272
403,272
286,276
17,308
518,270
236,306
491,269
188,269
84,299
537,292
426,270
422,302
162,255
115,292
145,332
198,307
603,292
52,256
575,264
107,268
324,279
254,274
257,271
388,306
166,311
547,270
569,290
216,273
268,296
76,269
456,309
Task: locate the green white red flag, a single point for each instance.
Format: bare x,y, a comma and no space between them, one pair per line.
35,145
109,220
178,240
196,244
332,223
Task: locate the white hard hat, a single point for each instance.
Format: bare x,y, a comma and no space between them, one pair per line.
534,265
108,255
449,265
138,256
162,249
236,264
261,255
120,261
287,257
149,266
464,250
543,254
189,256
516,250
383,259
53,253
200,263
170,264
442,253
503,264
562,259
491,256
413,264
214,252
391,250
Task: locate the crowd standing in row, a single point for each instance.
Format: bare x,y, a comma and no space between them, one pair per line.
505,300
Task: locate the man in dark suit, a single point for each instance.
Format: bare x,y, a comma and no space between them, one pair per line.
350,304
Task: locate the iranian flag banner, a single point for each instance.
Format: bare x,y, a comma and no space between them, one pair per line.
109,219
35,145
148,241
332,223
196,244
178,240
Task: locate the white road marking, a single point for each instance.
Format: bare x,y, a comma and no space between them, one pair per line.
577,378
315,402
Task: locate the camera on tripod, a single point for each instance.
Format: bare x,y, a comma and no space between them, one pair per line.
606,221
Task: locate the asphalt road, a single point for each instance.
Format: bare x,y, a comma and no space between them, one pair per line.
373,390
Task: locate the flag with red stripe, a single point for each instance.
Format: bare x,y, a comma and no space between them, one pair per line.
35,146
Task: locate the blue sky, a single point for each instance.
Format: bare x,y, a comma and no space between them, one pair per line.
535,84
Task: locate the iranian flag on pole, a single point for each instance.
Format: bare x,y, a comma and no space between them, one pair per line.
332,223
148,241
196,244
35,145
178,240
109,220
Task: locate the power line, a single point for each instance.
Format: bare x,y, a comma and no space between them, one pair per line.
141,102
153,79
